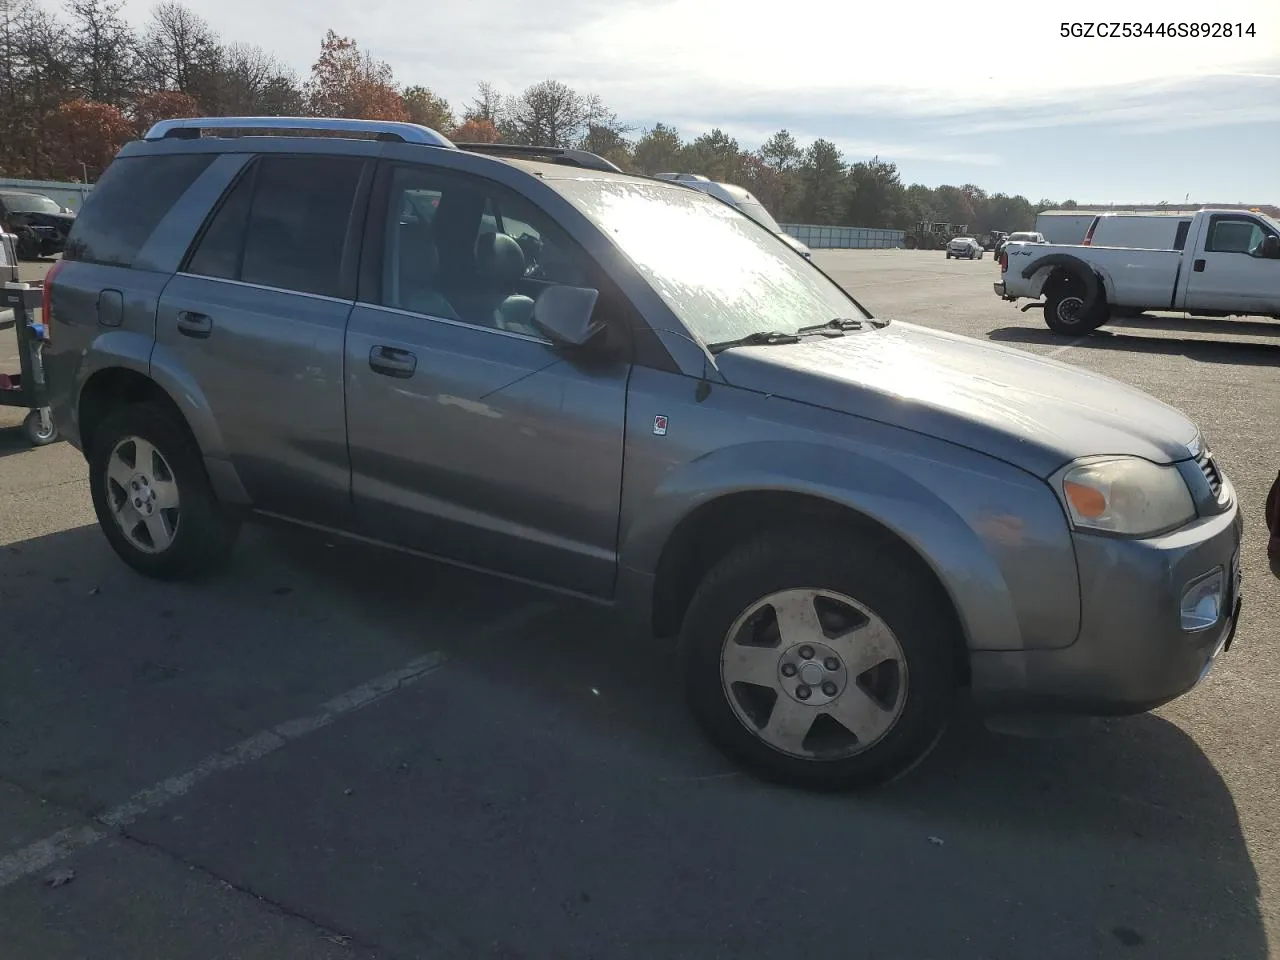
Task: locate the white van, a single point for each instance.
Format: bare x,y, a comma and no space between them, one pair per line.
742,200
1156,231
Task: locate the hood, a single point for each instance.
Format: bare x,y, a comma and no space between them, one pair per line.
1035,413
62,222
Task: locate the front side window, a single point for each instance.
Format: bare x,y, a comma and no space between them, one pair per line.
722,275
1235,235
482,258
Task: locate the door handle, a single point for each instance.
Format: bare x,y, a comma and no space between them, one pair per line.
1198,266
392,362
194,324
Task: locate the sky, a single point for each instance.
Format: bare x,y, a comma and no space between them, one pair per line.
984,93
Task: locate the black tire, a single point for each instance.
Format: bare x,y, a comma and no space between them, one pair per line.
204,532
28,247
36,435
1068,312
868,572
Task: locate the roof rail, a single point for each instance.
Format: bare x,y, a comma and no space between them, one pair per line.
575,158
190,128
695,177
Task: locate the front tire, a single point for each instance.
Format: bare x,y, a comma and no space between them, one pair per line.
819,661
152,496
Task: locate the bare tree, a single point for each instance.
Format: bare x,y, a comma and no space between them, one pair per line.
553,114
489,105
251,82
103,52
180,51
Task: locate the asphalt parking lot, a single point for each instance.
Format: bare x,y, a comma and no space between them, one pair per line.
301,759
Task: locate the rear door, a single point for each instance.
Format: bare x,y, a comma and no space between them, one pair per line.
256,318
1228,271
472,437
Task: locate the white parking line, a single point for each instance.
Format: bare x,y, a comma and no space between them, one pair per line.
44,853
1066,346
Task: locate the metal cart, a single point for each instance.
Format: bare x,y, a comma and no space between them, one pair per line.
26,388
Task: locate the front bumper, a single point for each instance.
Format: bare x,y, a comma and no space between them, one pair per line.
1132,653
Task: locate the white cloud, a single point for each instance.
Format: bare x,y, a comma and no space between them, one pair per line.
923,58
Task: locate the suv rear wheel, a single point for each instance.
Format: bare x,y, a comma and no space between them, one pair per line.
814,663
152,495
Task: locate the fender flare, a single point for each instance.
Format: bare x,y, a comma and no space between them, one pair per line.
1094,285
875,489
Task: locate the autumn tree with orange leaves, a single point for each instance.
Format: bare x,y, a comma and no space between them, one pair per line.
162,105
84,137
476,131
348,82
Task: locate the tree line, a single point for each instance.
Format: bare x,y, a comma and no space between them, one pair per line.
79,84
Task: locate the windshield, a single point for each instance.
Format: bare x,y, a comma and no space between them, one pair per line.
30,203
756,211
719,272
1023,236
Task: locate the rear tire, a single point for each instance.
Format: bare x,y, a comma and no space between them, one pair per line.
868,607
1067,312
142,454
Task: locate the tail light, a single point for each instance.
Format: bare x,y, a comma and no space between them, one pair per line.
1004,261
46,298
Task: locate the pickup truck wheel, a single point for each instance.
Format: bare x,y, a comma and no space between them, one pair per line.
152,496
1065,312
818,664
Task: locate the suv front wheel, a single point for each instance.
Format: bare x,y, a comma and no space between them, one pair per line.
152,495
818,661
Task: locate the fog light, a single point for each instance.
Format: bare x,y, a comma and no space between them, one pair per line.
1202,601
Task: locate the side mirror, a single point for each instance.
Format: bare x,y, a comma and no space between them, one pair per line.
1271,247
565,315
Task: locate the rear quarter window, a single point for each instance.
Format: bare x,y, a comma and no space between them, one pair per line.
128,203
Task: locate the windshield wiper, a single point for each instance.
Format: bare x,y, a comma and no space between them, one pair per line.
759,338
839,324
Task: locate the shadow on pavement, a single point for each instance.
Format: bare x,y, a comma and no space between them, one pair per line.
1205,351
547,795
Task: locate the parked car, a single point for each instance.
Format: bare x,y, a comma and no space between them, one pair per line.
964,247
740,199
1138,231
844,520
39,223
1230,265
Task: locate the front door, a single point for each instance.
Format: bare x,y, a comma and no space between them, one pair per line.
472,437
1230,274
257,319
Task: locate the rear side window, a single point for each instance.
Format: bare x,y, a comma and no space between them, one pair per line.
1180,239
128,203
283,224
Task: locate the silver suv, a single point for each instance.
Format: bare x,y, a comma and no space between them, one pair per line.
627,391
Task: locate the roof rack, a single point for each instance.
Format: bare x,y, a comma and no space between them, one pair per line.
575,158
190,128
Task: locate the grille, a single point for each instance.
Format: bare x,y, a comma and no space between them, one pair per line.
1210,470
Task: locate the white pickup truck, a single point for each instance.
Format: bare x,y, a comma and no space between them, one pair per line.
1229,266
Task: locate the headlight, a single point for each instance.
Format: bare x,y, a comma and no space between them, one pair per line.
1126,495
